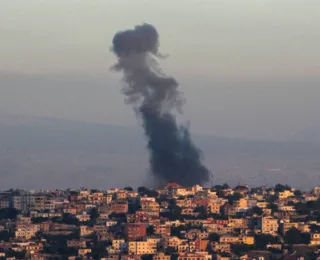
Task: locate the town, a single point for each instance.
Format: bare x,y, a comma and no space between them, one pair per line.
169,223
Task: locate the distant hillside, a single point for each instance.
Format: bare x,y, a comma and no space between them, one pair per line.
40,134
308,134
46,152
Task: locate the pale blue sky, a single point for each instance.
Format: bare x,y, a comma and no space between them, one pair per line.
248,67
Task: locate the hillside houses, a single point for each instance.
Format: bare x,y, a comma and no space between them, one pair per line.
174,222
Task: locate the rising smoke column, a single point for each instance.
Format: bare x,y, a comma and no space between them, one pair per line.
154,96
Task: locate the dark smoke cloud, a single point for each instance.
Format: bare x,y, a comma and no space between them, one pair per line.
143,38
173,156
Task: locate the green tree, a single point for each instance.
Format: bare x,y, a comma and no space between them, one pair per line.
275,250
176,231
128,188
99,251
150,230
280,188
94,214
175,212
69,219
271,198
255,190
5,235
257,210
142,190
202,212
214,237
273,207
120,217
219,189
16,254
39,220
261,241
315,228
240,249
298,193
216,187
147,257
225,186
294,236
133,207
233,197
152,193
170,250
8,213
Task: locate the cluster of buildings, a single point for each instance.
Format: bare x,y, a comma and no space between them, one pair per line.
174,222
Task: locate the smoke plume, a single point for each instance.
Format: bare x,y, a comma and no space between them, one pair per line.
155,96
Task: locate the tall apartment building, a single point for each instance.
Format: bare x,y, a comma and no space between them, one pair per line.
4,202
268,225
150,206
119,207
26,232
23,202
39,202
214,207
241,203
316,191
135,231
119,245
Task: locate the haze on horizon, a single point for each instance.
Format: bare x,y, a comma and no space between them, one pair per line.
248,68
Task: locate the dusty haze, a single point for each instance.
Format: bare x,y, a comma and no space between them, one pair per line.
248,68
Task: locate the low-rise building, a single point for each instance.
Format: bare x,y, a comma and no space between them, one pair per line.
76,243
161,256
141,248
315,239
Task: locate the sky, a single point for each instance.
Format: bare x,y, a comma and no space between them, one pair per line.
248,68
